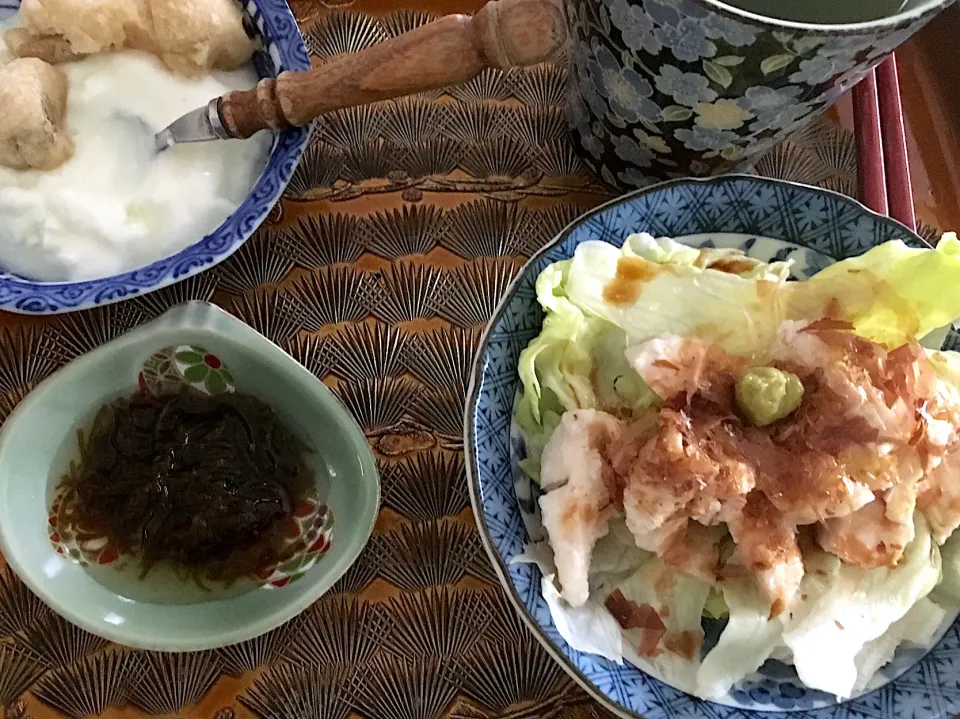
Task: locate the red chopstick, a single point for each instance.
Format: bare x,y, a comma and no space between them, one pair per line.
899,185
884,167
870,160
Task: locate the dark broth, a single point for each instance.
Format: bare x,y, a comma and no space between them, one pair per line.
202,483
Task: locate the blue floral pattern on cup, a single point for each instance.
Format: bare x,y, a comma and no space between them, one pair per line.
715,87
282,49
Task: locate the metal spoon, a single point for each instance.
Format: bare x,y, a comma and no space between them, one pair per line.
200,125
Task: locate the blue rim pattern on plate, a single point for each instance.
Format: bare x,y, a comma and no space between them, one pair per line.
833,227
283,50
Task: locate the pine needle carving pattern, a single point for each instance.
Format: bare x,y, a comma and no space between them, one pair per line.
402,228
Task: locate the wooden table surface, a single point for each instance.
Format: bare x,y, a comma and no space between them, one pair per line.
378,272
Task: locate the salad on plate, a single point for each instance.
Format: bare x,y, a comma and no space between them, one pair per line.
715,443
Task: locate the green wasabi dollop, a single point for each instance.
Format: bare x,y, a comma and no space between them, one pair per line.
767,394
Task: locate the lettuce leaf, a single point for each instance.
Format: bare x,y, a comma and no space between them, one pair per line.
716,606
745,644
536,435
588,628
561,325
948,591
842,607
576,362
844,626
667,251
947,365
892,293
615,557
554,368
918,627
680,298
659,585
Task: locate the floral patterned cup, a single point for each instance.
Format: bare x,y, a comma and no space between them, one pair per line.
669,88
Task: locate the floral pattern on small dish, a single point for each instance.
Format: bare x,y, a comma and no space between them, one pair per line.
707,88
84,546
308,532
170,368
311,529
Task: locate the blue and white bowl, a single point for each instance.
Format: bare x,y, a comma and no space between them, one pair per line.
281,49
769,220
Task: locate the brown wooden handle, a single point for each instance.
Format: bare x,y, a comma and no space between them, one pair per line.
448,51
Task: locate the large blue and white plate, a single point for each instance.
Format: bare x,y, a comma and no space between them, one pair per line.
768,220
281,48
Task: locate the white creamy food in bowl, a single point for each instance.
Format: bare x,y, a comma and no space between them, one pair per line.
116,205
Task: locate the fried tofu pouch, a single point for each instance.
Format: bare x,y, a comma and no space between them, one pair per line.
33,95
191,37
195,36
87,26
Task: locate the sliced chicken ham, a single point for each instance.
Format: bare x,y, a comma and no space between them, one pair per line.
871,441
583,494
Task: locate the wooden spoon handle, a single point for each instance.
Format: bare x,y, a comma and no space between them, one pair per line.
448,51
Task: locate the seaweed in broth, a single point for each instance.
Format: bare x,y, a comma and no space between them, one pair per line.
204,483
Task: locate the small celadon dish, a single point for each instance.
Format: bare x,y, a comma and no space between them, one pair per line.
82,577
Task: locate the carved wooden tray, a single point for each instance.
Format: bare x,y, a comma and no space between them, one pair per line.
401,229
